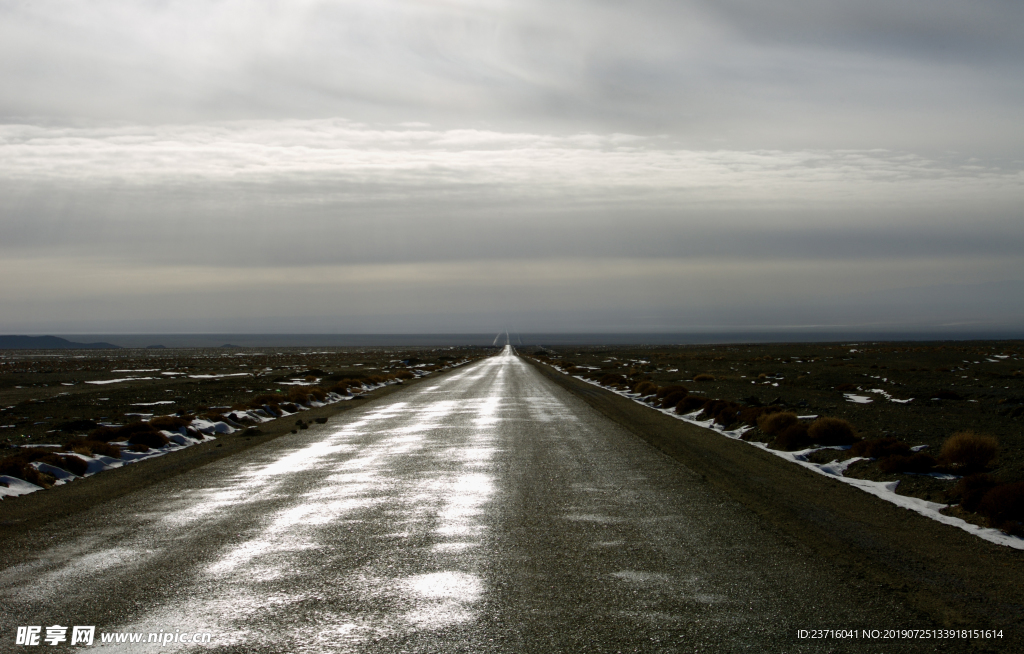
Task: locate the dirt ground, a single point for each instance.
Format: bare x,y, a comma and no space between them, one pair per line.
946,387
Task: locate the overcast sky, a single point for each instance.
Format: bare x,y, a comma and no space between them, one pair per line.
449,165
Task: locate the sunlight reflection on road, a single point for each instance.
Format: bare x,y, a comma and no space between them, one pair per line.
418,471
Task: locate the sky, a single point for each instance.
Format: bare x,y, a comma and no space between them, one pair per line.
410,166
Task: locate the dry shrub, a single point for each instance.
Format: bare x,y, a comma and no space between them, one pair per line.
298,395
148,438
266,400
689,404
916,462
722,411
831,431
750,414
970,490
1004,507
665,391
846,388
878,448
672,399
17,467
776,423
74,465
404,374
90,448
136,430
793,437
318,393
645,388
727,416
171,423
966,450
340,389
612,379
703,377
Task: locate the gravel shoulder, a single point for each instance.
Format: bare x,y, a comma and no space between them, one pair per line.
952,577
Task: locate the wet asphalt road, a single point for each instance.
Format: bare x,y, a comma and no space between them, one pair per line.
485,510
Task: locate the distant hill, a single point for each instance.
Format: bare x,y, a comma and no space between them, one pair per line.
49,343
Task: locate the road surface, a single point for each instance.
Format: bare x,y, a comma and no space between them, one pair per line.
485,510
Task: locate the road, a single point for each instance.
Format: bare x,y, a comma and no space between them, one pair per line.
485,510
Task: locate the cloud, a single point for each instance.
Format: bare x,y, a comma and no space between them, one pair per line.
574,159
918,75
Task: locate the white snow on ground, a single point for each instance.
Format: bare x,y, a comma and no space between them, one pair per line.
234,374
835,470
857,399
62,476
887,396
118,381
13,487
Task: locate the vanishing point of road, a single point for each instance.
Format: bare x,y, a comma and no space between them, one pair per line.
485,510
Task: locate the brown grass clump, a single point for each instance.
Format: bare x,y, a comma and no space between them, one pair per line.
266,400
970,490
19,468
1004,508
148,438
91,448
793,437
404,374
20,465
299,395
703,377
723,412
776,423
665,391
917,462
318,393
750,414
74,465
340,389
966,450
672,399
689,404
831,431
645,388
612,379
878,448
